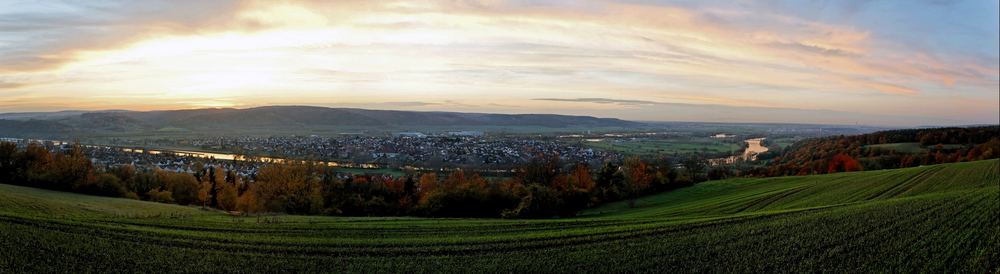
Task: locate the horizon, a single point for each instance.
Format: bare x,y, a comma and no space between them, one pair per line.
526,113
839,63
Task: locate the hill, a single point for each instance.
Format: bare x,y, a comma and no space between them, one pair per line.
885,149
33,128
940,218
302,118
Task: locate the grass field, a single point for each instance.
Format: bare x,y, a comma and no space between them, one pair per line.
649,147
783,142
941,218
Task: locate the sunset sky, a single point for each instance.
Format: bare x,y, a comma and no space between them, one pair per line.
900,63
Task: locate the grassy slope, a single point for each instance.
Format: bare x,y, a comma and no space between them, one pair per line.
933,218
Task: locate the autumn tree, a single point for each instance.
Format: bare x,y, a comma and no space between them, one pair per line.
292,188
107,185
204,192
183,187
637,176
580,178
227,194
160,196
34,163
427,185
248,203
843,163
216,177
579,193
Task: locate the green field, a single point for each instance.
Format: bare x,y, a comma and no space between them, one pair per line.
652,147
783,142
941,218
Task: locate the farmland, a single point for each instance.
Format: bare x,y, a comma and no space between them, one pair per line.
652,147
940,218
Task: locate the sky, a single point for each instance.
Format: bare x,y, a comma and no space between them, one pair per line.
889,63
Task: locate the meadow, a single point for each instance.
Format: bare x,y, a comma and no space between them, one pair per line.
670,146
940,218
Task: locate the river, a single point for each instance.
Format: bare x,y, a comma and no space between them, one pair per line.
196,154
753,149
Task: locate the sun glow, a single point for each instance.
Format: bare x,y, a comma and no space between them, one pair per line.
471,57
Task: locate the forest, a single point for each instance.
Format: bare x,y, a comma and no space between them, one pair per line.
884,150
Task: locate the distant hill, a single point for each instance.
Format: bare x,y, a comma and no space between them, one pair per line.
284,118
33,128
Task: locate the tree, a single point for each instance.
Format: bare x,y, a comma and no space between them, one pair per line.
8,161
427,185
541,169
216,177
637,176
182,186
248,203
610,182
204,193
665,174
226,196
107,185
35,162
843,163
292,188
694,167
125,173
160,196
69,171
580,178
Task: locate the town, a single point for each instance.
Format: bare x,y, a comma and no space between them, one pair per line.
495,155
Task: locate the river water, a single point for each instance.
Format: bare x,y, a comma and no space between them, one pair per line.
753,149
196,154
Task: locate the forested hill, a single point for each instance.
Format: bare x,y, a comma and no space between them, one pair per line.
278,118
887,149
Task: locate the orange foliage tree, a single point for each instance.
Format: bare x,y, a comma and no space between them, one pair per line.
638,177
843,163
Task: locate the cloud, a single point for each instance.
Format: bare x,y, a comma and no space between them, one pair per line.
409,104
665,111
798,46
467,55
45,36
893,89
600,101
7,85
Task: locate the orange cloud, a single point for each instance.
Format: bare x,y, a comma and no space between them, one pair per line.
892,89
435,51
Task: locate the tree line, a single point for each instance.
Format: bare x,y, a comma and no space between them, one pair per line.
543,187
913,147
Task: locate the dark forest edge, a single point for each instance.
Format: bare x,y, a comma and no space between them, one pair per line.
544,187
